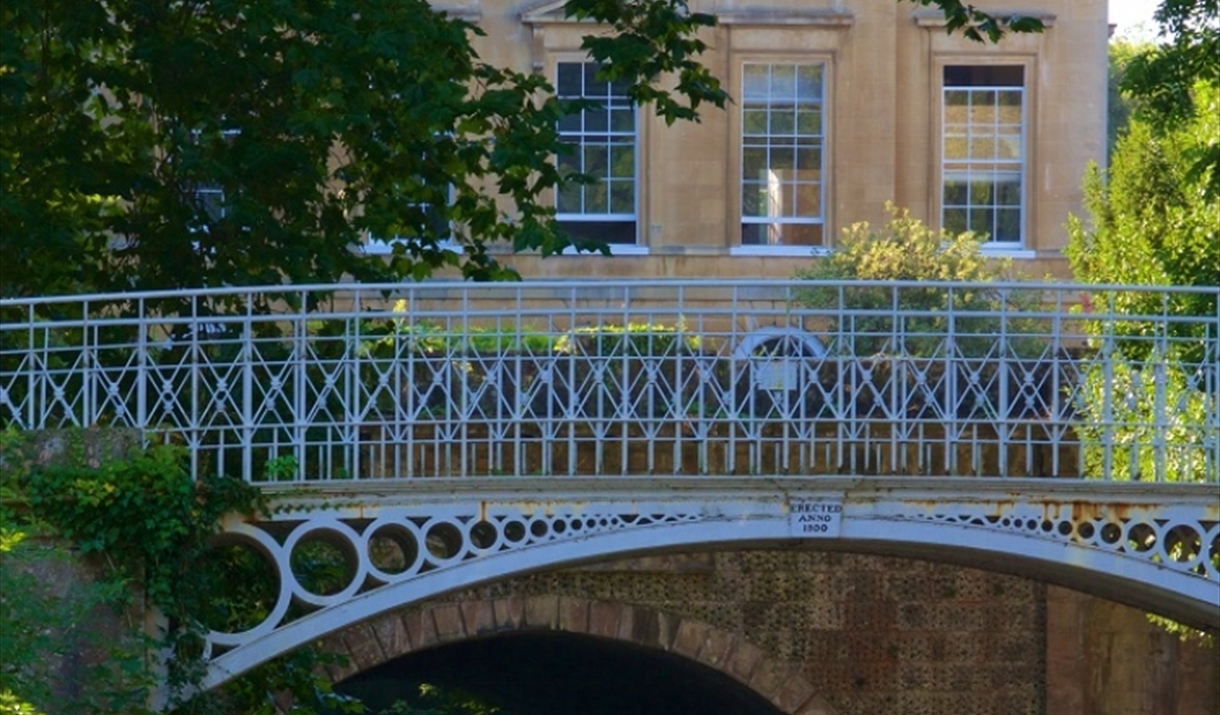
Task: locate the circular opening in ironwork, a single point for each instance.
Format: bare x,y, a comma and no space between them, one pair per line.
392,549
538,528
1141,537
514,531
560,526
1085,529
1183,543
1065,528
483,534
322,563
247,578
444,541
1111,533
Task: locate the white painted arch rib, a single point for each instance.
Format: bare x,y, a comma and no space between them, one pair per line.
761,520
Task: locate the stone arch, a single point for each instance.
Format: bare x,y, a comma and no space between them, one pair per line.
396,633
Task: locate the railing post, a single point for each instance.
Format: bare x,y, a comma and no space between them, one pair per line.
141,378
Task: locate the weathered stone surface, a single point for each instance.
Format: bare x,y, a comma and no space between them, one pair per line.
509,613
391,634
542,612
689,638
840,634
573,615
362,646
448,618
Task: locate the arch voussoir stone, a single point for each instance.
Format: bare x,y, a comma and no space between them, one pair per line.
366,645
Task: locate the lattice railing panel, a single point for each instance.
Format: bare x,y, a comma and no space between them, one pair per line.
638,378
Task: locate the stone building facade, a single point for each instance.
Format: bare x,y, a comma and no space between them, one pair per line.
839,106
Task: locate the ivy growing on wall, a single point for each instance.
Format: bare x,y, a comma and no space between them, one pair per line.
140,531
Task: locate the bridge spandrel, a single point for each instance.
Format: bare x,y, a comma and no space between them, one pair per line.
1159,551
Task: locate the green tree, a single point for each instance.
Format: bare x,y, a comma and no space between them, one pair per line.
1153,222
1175,80
175,145
1119,106
162,146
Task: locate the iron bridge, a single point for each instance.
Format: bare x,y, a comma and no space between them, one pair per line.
442,435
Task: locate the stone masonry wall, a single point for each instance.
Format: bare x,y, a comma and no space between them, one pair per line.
824,633
870,634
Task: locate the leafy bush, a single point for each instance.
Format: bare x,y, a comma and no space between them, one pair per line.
1122,436
904,249
633,339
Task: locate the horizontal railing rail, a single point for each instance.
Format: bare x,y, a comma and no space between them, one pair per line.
588,378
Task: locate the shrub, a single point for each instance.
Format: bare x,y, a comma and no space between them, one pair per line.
906,250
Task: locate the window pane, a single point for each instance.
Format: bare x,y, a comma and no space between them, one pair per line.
569,84
809,121
809,163
981,221
955,146
809,83
622,119
1008,146
982,146
595,160
754,121
754,164
622,160
751,200
955,193
594,88
612,232
984,76
783,121
809,199
570,123
954,220
982,108
596,198
783,82
569,199
1008,193
597,120
622,197
980,193
1007,225
755,82
802,234
782,160
781,234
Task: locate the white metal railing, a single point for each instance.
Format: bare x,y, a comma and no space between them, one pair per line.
635,378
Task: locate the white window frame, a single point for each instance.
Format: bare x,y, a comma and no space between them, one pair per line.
993,168
385,246
211,195
578,139
765,141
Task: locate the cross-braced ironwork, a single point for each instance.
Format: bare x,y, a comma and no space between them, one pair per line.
426,380
438,435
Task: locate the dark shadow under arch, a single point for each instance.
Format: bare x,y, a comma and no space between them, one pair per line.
613,632
557,673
